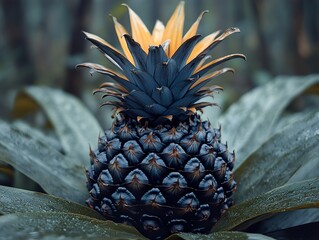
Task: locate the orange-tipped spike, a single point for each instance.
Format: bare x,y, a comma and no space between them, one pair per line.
140,33
120,31
174,28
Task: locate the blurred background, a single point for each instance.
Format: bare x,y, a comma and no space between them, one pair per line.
42,41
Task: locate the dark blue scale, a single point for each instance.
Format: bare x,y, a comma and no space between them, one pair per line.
100,162
191,144
219,197
222,150
95,191
169,135
229,184
118,168
151,143
112,147
200,132
154,167
153,197
152,225
123,197
174,156
136,182
107,208
106,178
178,225
219,169
194,171
207,188
127,220
127,133
106,182
189,202
207,155
230,160
174,186
203,213
133,152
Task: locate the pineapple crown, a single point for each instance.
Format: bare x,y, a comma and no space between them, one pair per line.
162,75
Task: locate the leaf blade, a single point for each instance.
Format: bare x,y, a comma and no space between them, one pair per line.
253,117
74,124
62,225
14,200
285,198
56,174
233,235
280,158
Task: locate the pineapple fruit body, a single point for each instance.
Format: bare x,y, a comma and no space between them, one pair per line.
162,180
160,167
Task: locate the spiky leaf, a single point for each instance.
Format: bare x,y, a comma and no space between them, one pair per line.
286,198
220,236
62,226
14,200
250,121
56,173
75,125
277,160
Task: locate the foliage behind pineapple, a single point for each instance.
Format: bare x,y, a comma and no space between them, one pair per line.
160,167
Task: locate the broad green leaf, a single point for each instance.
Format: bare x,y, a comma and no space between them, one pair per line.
54,172
62,226
220,236
250,121
277,160
286,198
308,231
74,124
287,220
306,171
44,138
288,119
14,200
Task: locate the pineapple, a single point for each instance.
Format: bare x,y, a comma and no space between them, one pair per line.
160,167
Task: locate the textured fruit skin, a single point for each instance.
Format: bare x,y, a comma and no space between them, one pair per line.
161,180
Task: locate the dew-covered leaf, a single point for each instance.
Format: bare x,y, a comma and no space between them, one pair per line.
288,220
55,173
289,197
220,236
42,137
249,122
62,226
14,200
280,158
74,124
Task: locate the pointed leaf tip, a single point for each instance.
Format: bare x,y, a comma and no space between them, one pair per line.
140,32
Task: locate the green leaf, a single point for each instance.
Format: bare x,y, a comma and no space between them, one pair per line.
74,124
62,226
14,200
287,220
286,198
277,160
22,126
55,173
308,231
250,121
220,236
